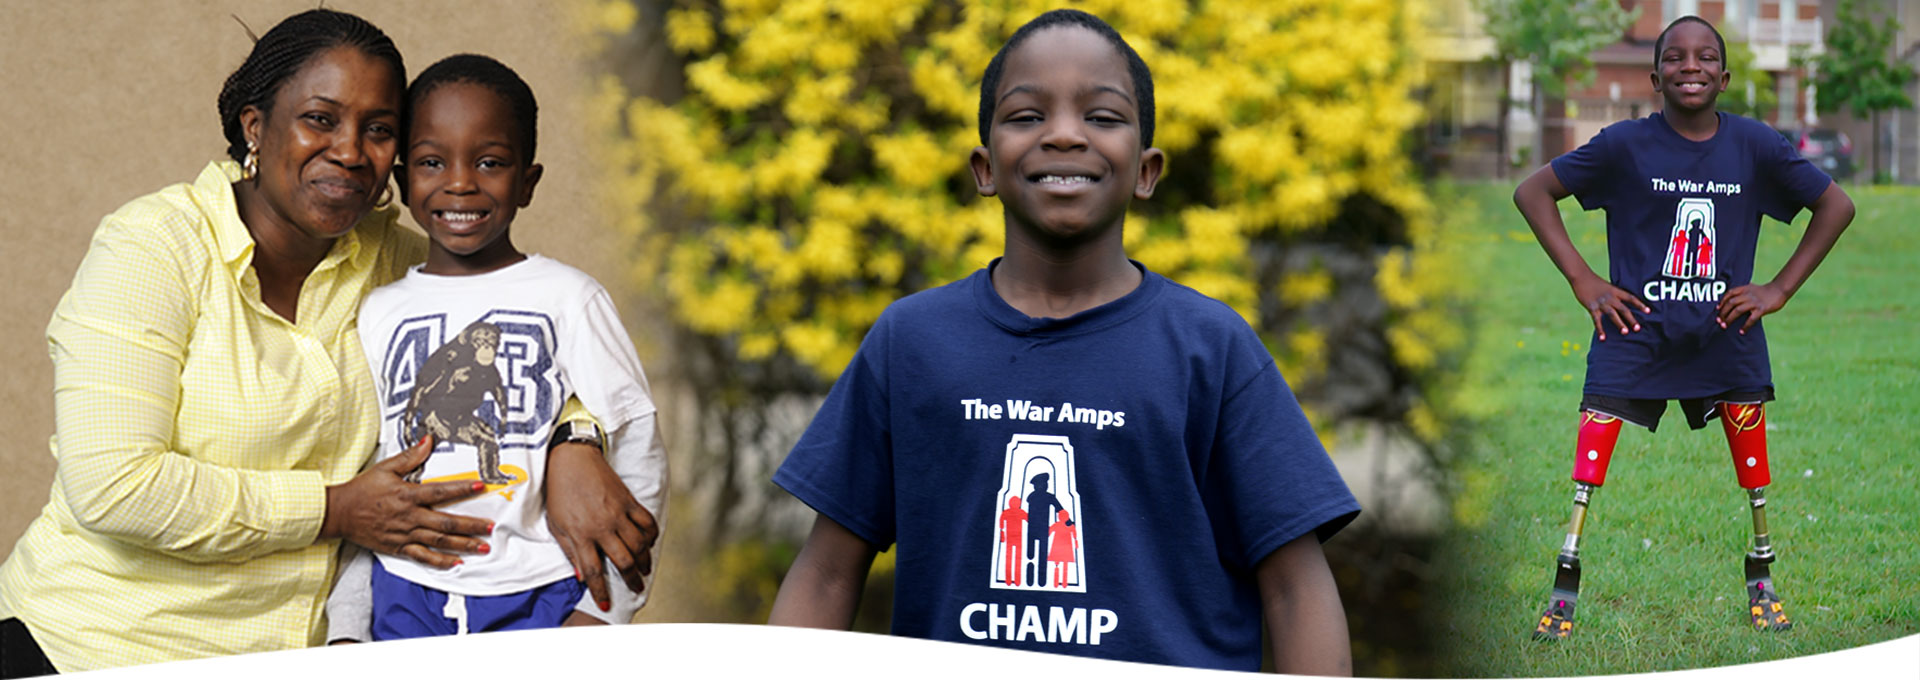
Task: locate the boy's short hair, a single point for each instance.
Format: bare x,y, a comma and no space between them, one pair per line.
489,73
1660,43
1136,67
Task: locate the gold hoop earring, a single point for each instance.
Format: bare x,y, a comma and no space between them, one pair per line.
385,199
250,167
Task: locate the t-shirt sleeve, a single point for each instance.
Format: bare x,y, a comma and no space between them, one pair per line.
842,466
1269,480
1793,181
1588,172
601,363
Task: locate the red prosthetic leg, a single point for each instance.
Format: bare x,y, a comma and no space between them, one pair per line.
1746,427
1598,434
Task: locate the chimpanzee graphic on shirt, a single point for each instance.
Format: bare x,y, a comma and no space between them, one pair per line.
489,388
449,393
1037,542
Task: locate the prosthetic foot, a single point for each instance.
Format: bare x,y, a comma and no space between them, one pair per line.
1556,622
1763,604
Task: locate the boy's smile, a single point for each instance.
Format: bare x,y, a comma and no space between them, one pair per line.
1691,73
1063,149
466,178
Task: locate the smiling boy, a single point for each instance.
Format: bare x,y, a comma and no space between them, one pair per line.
479,348
1683,190
1072,454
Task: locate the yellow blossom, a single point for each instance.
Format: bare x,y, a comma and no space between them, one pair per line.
1305,288
814,100
713,78
913,158
689,30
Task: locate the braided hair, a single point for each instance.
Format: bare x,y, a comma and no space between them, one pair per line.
283,51
489,73
1136,67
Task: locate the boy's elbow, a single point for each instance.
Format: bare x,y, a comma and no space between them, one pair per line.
1834,205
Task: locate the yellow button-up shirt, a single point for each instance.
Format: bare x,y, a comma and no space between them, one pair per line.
196,432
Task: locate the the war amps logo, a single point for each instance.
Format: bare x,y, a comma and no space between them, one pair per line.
1690,248
1038,542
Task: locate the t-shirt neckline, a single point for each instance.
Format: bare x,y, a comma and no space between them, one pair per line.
1674,136
1004,315
418,272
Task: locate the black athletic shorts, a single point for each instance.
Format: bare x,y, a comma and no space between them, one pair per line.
1646,412
20,655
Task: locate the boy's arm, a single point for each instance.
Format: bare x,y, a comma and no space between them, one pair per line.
822,589
1832,212
1538,198
1305,623
638,455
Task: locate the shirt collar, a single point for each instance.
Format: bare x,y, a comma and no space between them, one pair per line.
214,191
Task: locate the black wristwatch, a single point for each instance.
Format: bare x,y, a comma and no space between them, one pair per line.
578,432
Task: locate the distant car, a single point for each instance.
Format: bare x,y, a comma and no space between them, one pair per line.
1830,150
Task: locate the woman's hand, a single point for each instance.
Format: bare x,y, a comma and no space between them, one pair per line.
591,513
379,510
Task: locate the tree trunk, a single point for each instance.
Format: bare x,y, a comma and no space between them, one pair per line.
1506,104
1874,120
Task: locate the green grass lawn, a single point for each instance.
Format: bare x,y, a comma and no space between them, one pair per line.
1662,587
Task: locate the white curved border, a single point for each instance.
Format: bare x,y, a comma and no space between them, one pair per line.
685,650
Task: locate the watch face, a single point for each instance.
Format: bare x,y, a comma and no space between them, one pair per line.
584,432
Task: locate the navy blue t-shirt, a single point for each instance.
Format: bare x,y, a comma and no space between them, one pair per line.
1682,221
1099,485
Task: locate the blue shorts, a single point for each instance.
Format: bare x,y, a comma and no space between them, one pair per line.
404,609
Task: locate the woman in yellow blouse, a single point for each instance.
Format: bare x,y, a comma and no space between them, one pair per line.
213,409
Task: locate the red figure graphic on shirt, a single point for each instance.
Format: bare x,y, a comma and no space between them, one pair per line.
1703,258
1677,255
1064,540
1012,520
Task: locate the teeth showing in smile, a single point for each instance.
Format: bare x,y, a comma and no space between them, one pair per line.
462,216
1692,87
1065,180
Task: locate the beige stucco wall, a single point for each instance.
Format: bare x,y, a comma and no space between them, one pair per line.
106,101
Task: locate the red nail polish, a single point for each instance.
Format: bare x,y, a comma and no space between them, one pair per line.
484,549
479,486
606,607
576,574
